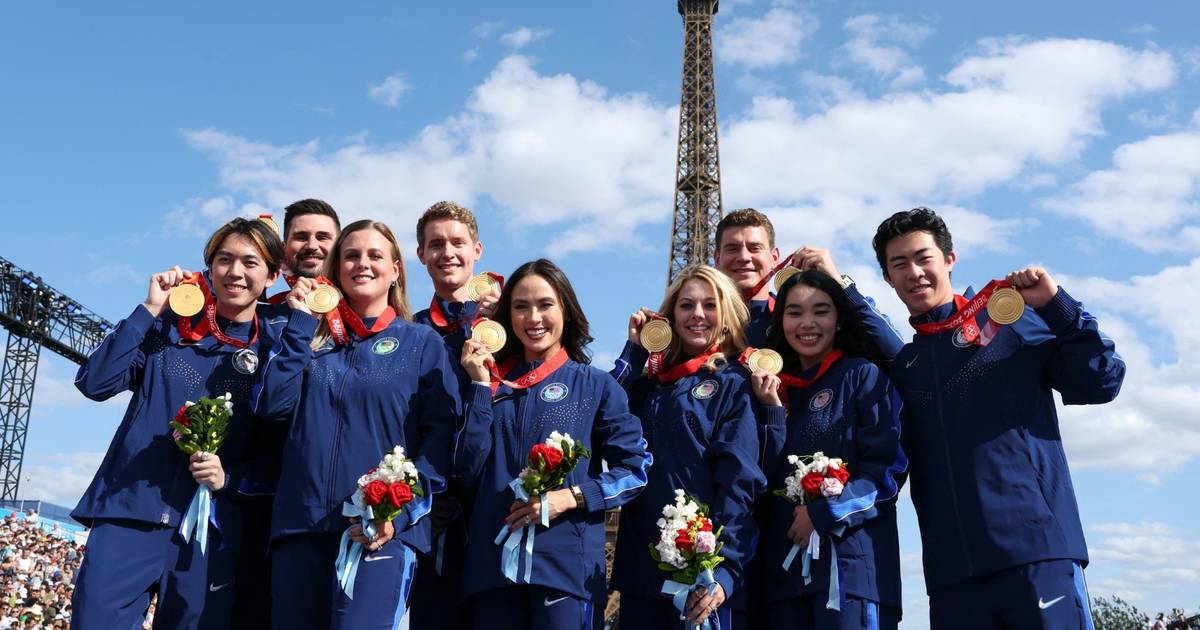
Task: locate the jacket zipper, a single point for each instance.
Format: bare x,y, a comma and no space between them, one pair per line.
937,380
337,427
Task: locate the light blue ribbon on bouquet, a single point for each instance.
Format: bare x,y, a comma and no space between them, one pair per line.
678,592
511,539
350,551
199,514
814,553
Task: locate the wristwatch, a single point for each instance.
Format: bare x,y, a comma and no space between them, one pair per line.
580,501
845,281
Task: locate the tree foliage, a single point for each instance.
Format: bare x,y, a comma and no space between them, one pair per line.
1116,614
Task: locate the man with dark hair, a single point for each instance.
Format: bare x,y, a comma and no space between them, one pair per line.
1003,545
310,226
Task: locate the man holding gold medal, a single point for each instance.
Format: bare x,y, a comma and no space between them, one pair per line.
448,245
1003,544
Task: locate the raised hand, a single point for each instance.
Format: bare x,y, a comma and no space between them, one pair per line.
1035,284
160,288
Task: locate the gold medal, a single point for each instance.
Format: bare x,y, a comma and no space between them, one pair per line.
270,222
783,274
655,335
322,299
1005,306
186,300
491,334
765,360
481,285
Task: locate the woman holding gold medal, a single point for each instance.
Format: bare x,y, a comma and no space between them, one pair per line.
367,380
530,377
697,413
820,392
195,335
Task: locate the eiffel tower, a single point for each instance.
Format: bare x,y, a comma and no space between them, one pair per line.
698,167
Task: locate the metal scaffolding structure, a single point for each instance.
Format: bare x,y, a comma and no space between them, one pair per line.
698,167
35,315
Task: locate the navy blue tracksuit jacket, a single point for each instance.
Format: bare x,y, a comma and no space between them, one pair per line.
851,412
702,431
990,481
584,402
348,406
144,476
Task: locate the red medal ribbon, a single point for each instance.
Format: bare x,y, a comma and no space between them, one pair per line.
439,319
964,316
343,312
530,378
762,282
209,324
787,380
281,297
687,368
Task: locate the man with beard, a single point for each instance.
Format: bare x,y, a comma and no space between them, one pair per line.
310,227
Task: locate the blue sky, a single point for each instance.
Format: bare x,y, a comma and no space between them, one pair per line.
1065,134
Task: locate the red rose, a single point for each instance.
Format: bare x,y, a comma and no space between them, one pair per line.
549,454
841,473
705,525
811,483
375,492
181,417
683,541
399,493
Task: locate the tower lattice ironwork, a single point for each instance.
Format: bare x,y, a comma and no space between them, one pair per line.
36,316
698,168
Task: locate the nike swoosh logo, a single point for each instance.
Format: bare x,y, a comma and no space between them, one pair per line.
374,558
911,361
1044,605
550,602
213,588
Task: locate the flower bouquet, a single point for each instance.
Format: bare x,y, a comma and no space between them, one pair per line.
549,463
815,477
201,427
380,496
687,548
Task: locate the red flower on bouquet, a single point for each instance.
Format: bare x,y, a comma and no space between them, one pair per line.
375,492
551,456
400,493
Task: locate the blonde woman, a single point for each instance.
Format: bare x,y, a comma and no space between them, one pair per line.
695,404
369,380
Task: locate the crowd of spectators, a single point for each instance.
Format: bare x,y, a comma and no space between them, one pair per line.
37,573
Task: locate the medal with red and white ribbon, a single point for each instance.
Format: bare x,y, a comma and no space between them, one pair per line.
1004,305
687,368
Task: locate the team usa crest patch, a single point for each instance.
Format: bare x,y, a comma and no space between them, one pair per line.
387,345
705,389
820,400
554,392
960,339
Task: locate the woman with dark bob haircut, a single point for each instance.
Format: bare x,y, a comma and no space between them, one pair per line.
829,398
538,383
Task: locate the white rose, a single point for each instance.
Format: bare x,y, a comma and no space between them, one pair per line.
706,542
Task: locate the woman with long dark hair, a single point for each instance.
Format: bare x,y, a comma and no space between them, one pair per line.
829,398
369,381
540,382
697,413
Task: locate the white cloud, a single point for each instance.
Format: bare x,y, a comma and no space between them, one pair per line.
1149,196
878,44
1011,108
485,30
524,36
519,141
1139,557
1155,413
59,478
470,54
389,91
773,39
